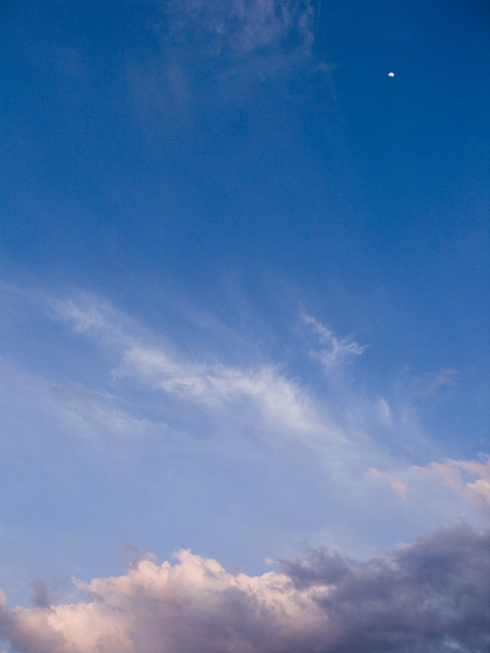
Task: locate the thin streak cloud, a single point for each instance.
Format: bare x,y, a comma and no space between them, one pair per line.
337,350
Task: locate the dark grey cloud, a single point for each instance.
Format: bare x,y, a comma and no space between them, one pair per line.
432,596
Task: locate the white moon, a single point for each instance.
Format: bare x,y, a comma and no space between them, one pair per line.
391,74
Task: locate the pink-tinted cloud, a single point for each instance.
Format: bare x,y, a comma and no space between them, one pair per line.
432,596
470,477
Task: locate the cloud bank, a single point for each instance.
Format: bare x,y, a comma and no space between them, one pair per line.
432,596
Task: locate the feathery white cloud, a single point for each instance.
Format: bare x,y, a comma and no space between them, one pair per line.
277,400
333,351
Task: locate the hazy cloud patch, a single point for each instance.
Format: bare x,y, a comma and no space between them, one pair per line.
442,378
214,53
240,27
458,481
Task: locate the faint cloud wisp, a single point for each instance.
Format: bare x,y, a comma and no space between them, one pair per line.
334,351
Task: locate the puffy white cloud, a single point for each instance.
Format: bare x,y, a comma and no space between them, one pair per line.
192,606
432,596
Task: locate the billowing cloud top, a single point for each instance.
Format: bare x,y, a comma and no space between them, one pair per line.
432,596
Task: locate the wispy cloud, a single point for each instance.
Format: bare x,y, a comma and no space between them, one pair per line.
333,351
243,26
441,378
261,399
471,478
214,52
426,597
395,483
261,406
460,481
210,385
94,414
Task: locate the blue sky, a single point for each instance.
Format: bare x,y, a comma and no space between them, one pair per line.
243,285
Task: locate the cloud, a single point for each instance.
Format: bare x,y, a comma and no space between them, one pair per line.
212,386
470,478
442,378
274,425
334,351
395,483
41,597
432,596
95,416
252,449
240,27
214,52
458,481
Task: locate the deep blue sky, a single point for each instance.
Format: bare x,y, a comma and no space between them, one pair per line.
205,180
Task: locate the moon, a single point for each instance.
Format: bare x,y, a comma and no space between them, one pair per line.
391,74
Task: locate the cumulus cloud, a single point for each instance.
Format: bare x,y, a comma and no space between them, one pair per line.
432,596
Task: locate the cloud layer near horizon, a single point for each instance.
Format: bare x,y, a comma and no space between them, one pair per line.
432,596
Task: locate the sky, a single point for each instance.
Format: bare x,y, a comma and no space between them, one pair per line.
244,321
